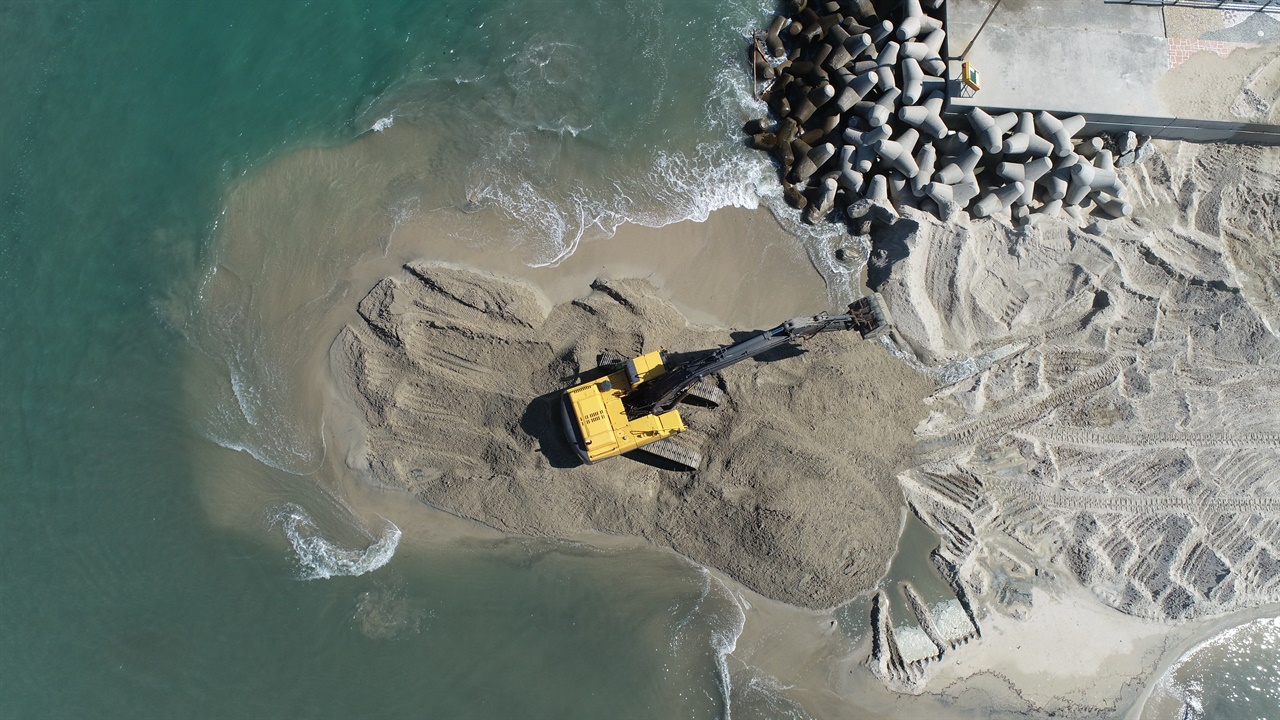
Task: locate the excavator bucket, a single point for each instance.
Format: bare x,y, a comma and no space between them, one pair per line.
870,316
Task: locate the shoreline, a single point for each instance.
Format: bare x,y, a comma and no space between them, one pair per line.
783,270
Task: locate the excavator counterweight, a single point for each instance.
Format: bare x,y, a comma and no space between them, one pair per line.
634,405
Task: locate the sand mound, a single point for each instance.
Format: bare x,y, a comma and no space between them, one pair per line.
455,372
1119,422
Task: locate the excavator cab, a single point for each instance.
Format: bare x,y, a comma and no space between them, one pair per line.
595,418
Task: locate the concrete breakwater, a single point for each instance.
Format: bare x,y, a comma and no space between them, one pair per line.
857,91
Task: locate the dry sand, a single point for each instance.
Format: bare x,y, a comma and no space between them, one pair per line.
1108,417
456,374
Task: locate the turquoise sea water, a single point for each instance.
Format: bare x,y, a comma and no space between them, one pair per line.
122,128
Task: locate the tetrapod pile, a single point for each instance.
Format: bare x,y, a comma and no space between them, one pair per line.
857,91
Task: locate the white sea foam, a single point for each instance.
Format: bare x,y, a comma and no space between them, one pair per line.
724,639
725,621
320,559
384,123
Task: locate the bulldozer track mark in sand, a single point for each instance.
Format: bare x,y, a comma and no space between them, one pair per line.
443,362
981,430
1097,438
1132,503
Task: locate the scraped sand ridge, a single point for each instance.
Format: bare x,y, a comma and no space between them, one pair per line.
1121,423
455,373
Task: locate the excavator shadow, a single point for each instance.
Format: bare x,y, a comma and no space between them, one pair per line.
541,421
782,352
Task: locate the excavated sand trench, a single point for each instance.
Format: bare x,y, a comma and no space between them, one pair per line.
455,373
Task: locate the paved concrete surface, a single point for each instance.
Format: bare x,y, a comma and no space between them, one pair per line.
1096,57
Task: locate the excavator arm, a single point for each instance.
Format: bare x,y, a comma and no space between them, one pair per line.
661,394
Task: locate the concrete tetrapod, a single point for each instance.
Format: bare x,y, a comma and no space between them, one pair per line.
951,198
850,180
1025,140
772,40
933,62
989,131
858,44
913,49
875,203
1104,160
899,190
880,32
1090,147
960,168
813,100
865,138
1027,173
814,159
1059,132
1050,209
1057,180
954,143
1113,206
916,24
1089,176
926,158
838,38
885,61
912,81
823,203
926,117
882,109
1000,198
898,152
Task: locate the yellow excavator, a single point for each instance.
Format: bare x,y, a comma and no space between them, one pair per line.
633,406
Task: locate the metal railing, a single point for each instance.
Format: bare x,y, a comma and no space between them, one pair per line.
1267,6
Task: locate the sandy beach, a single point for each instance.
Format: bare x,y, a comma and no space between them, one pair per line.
679,302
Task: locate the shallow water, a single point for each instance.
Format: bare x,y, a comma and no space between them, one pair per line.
152,566
1233,674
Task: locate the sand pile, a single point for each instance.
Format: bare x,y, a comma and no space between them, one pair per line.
455,373
1111,402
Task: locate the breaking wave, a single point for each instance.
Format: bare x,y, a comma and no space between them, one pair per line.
724,614
319,558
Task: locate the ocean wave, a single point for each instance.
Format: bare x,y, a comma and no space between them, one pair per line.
675,187
318,558
725,622
724,640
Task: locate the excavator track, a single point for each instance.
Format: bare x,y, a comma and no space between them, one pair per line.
708,392
668,449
